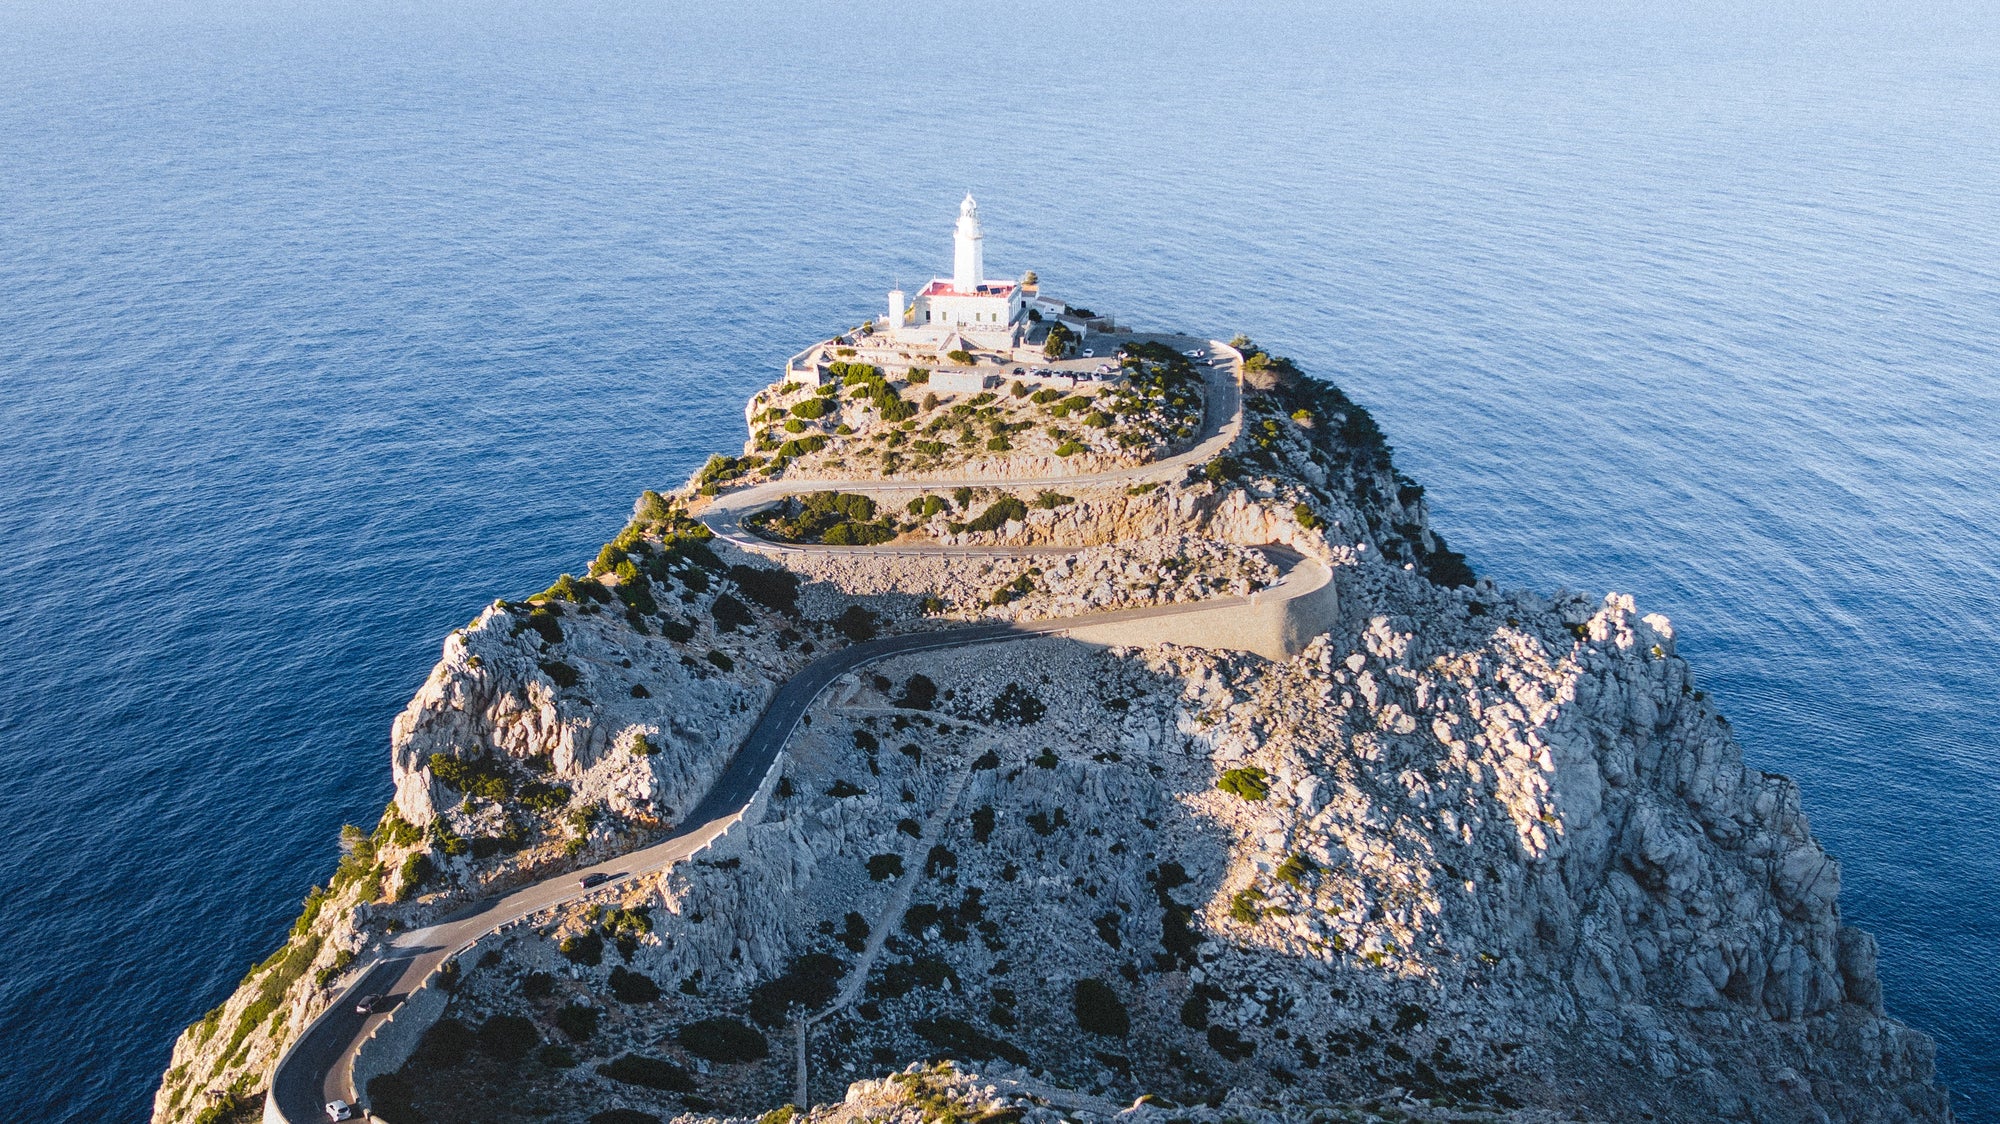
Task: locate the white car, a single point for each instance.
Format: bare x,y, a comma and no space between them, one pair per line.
1089,353
339,1110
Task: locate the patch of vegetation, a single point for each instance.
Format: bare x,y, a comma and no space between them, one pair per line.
723,1040
721,660
844,788
729,613
1292,872
577,1022
856,623
961,357
1245,907
633,987
583,948
1249,782
1099,1010
996,516
809,982
959,1038
1049,501
481,777
833,518
776,589
1229,1044
901,978
1016,705
563,674
882,868
508,1038
919,693
652,1073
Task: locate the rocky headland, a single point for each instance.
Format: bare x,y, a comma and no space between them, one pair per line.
1466,854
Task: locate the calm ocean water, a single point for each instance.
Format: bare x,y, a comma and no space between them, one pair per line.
318,331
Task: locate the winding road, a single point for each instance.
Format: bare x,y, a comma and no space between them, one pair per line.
318,1066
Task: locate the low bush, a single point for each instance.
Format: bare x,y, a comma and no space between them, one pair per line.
729,613
1069,449
652,1073
961,357
633,987
882,868
721,660
855,623
774,589
901,978
998,514
1016,705
482,777
563,674
809,982
1293,870
1245,908
959,1038
1249,782
577,1022
919,693
584,948
812,409
446,1046
1099,1010
844,788
508,1037
723,1040
556,1056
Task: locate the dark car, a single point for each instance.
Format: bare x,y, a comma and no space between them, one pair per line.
369,1004
590,880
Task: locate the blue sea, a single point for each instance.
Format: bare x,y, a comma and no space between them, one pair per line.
322,325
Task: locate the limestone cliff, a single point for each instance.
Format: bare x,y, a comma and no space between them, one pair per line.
1471,850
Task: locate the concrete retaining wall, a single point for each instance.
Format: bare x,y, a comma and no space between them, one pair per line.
397,1036
1275,624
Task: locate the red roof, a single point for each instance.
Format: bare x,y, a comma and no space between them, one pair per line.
942,288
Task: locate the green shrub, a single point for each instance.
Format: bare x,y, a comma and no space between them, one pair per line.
643,747
774,589
919,693
1244,908
556,1056
1015,704
1069,449
584,948
577,1022
509,1038
633,987
723,1040
882,868
855,623
721,660
1293,870
961,357
563,674
1099,1010
998,445
843,788
809,982
729,613
959,1038
900,979
1221,469
794,425
481,777
1249,782
812,409
918,376
415,869
998,514
1049,501
447,1045
652,1073
1306,518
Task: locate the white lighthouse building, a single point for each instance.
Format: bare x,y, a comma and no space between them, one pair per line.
983,311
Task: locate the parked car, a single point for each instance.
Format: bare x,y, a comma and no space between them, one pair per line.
589,880
339,1110
369,1004
1089,353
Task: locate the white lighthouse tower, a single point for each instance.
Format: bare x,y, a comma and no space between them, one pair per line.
968,259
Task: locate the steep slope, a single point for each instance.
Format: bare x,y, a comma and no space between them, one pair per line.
1471,849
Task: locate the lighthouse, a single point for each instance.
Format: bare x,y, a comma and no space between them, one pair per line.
968,258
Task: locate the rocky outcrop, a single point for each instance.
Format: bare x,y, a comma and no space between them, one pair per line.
1467,850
